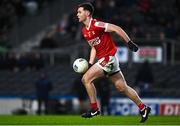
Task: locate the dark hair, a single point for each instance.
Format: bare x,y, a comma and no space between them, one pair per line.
87,6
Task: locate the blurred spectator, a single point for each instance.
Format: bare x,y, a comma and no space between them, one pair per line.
112,12
63,25
37,61
136,32
62,33
23,61
48,43
19,8
43,88
12,61
148,36
73,25
31,6
170,31
162,36
99,6
4,42
144,78
80,92
2,62
144,5
103,87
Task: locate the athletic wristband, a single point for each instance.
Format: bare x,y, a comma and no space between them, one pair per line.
132,46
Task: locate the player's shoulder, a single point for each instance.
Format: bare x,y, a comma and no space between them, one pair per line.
99,23
95,21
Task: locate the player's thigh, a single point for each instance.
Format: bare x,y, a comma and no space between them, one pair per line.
118,80
94,72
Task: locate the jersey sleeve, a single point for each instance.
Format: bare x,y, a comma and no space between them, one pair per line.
101,25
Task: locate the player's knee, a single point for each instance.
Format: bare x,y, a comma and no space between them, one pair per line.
121,87
85,79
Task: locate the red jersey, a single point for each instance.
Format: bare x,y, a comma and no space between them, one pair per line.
96,36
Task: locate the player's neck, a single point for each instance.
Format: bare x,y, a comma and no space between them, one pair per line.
87,21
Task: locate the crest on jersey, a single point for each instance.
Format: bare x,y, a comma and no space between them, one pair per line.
100,24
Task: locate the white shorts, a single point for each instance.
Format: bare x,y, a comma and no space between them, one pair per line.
110,64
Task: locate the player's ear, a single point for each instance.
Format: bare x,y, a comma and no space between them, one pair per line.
87,13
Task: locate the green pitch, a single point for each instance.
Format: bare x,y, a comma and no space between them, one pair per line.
77,120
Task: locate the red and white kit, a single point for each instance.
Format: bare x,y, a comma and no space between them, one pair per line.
96,36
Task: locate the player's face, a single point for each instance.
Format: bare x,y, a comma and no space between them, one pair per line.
81,14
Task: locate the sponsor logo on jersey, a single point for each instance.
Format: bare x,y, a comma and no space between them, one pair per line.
94,41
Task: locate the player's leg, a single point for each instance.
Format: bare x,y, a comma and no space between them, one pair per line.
121,85
93,73
39,111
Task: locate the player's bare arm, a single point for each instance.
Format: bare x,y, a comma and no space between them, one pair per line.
118,30
92,55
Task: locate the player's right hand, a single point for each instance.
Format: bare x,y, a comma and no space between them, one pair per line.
132,46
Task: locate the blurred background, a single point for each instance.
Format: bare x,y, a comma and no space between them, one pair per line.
40,39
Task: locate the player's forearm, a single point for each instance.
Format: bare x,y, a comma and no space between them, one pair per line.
122,34
92,56
118,30
114,28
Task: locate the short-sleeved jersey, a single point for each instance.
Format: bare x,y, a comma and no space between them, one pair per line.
96,36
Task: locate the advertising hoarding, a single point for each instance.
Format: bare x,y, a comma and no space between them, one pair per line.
124,106
152,54
122,54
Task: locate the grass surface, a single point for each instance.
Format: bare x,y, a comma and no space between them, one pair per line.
77,120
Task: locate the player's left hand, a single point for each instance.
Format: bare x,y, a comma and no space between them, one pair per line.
90,65
132,46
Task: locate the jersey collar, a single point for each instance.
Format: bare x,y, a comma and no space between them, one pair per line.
89,24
